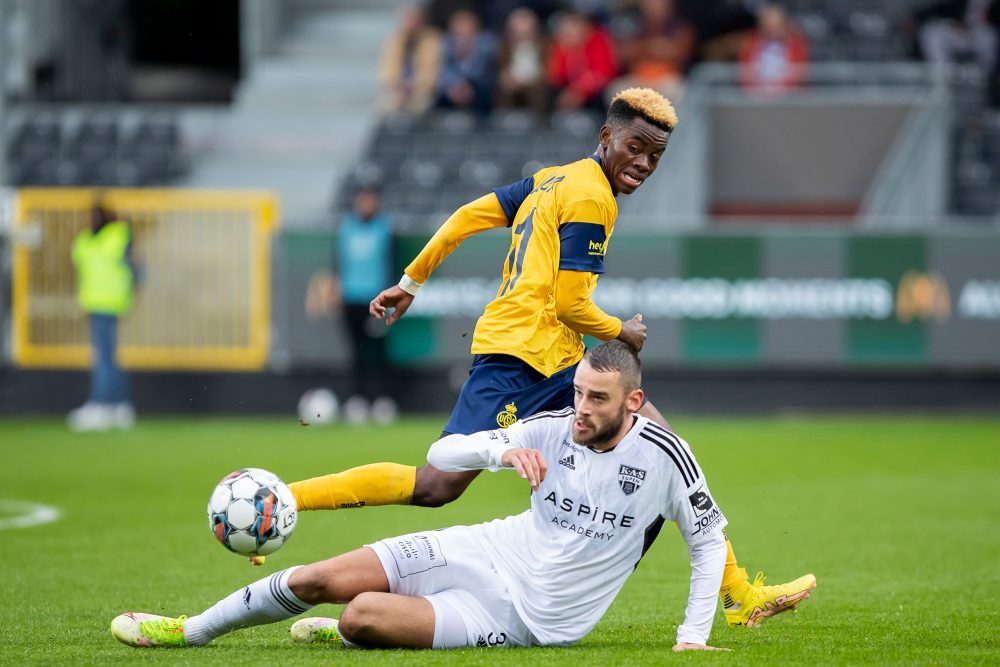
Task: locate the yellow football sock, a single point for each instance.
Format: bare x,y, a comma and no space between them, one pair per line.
373,484
734,575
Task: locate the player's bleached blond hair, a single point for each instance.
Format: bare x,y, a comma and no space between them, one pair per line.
645,103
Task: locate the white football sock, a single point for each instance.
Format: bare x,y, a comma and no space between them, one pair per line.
264,601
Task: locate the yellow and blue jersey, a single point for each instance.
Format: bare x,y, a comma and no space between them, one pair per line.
530,337
561,219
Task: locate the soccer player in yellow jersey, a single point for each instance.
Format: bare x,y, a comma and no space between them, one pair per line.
530,338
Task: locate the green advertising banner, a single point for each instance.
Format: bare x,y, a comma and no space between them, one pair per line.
808,299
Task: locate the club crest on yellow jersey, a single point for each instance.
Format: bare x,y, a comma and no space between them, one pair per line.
508,416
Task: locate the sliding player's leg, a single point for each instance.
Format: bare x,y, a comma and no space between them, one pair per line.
745,603
444,594
379,620
372,484
500,389
275,598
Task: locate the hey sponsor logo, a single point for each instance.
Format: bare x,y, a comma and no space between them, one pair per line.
597,249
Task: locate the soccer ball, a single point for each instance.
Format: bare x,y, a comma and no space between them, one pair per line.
318,406
252,512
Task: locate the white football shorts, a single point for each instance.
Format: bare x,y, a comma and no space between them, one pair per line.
449,567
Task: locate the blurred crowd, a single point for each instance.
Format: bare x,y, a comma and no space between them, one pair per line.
551,55
560,55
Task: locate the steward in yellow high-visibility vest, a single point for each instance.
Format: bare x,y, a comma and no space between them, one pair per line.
104,276
102,257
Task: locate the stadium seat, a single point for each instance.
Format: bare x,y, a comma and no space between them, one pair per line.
480,172
426,173
454,123
69,173
150,153
33,150
576,123
513,121
95,139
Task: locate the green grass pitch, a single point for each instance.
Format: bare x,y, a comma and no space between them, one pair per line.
897,516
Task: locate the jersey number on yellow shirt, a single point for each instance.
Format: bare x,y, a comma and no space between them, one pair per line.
517,253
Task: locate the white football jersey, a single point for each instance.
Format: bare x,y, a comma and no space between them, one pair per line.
592,519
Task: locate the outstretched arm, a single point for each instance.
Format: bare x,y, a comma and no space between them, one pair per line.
477,216
576,309
488,450
701,523
708,558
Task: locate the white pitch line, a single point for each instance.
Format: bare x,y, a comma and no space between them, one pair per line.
26,514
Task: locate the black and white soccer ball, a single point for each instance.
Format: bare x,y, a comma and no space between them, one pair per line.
252,512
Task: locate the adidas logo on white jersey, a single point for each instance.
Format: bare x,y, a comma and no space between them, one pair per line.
568,462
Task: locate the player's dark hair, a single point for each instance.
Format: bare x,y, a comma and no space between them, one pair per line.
643,103
616,356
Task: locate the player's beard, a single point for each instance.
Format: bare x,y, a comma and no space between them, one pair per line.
604,435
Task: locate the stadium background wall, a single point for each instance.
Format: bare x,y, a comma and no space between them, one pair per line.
778,299
739,322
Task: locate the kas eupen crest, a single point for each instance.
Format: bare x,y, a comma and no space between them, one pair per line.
630,479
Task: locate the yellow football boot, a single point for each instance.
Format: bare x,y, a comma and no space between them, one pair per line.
149,630
749,605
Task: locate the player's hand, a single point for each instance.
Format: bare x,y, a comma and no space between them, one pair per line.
685,646
393,297
528,463
633,333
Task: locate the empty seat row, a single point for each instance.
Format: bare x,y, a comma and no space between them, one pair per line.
98,150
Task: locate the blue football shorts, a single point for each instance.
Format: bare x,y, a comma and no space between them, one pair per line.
502,389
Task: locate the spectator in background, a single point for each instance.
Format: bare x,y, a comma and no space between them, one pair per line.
439,12
469,69
101,254
523,57
582,63
658,52
722,25
496,12
364,260
952,29
409,66
775,54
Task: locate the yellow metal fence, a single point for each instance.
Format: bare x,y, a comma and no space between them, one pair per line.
203,296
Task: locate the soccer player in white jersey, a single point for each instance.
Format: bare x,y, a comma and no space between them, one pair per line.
604,481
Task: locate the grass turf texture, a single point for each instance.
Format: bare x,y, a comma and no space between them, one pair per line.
896,515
